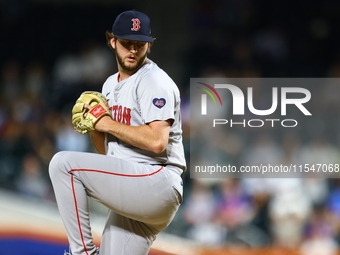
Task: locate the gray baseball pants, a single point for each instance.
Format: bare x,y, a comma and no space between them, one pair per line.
142,200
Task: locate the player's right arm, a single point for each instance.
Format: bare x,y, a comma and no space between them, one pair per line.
153,136
98,140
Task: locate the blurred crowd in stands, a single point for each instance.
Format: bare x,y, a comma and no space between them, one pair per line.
224,39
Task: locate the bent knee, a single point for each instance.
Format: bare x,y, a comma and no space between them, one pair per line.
57,163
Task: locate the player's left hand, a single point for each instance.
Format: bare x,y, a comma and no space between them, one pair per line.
89,108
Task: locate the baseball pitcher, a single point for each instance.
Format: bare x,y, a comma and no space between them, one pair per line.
135,125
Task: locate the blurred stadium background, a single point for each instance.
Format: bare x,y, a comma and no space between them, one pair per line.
52,50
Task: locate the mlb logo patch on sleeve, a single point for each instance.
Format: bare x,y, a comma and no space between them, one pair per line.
159,102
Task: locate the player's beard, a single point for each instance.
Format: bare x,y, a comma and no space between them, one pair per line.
132,67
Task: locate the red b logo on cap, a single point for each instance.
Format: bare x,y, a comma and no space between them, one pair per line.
135,24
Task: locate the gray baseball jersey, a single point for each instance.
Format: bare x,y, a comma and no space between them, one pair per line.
146,96
142,190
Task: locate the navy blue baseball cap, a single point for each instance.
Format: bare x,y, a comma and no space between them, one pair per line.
132,25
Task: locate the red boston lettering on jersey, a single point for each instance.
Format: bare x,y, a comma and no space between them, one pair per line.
135,24
121,114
